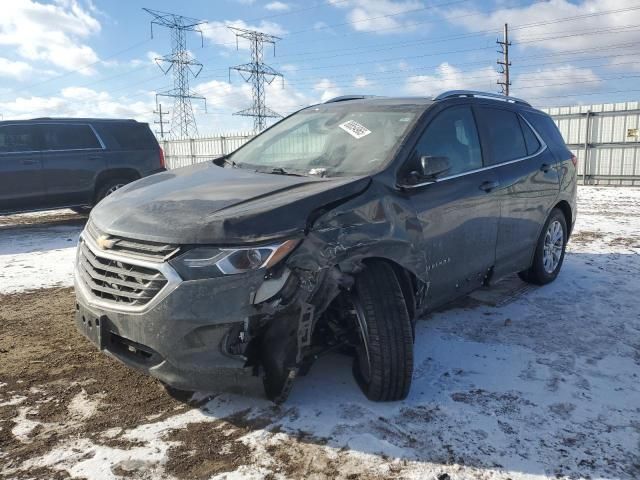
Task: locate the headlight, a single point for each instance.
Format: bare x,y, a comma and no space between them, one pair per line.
208,262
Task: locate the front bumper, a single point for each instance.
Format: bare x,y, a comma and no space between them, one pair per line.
181,336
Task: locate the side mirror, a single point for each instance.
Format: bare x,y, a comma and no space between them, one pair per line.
432,167
428,170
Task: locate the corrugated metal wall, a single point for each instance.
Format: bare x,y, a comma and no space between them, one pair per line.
606,140
604,137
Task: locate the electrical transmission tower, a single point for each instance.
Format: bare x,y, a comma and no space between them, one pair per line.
505,83
258,73
182,64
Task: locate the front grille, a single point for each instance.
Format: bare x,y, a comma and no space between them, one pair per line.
155,251
118,281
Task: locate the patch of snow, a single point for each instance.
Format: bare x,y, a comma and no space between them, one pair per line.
82,407
18,399
23,425
34,257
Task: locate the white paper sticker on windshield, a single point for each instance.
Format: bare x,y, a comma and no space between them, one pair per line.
354,129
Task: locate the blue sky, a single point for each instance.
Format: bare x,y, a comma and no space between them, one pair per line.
95,58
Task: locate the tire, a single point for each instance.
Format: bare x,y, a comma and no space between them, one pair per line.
383,365
549,254
110,186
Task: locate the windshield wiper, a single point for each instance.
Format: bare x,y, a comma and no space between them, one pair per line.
226,160
280,171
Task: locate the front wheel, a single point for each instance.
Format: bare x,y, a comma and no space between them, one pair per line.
383,364
550,250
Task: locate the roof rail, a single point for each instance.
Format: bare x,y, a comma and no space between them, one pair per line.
474,93
346,98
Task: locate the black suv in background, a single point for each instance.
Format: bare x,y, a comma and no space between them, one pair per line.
335,229
48,163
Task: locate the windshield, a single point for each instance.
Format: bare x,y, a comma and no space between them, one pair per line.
329,140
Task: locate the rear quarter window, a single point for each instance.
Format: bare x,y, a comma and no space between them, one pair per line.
546,127
128,136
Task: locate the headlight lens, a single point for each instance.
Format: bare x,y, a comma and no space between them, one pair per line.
208,262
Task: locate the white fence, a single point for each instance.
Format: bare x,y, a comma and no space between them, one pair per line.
604,137
188,151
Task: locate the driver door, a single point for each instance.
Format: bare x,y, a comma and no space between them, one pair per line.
459,211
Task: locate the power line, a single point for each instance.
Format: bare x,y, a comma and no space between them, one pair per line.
257,73
182,64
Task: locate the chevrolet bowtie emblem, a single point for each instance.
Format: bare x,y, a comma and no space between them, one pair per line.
105,243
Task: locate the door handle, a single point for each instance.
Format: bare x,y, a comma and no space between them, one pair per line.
545,167
489,185
95,157
28,162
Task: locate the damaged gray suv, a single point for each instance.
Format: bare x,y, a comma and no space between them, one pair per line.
333,230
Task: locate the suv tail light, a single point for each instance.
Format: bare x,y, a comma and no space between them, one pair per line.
162,163
574,160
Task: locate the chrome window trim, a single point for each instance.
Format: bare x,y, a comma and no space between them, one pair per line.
543,147
173,280
98,137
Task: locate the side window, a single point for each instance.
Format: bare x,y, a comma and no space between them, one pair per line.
530,139
503,133
452,134
19,138
69,137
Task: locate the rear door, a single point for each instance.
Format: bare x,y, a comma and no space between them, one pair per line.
529,183
458,212
21,179
73,157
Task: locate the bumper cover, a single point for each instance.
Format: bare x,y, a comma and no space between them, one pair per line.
180,338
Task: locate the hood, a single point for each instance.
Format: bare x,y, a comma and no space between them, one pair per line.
210,204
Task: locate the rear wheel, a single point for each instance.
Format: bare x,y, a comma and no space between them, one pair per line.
383,364
110,186
550,250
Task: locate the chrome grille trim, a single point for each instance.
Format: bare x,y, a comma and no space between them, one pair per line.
154,251
118,282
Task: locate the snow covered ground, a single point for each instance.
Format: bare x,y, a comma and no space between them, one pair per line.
516,382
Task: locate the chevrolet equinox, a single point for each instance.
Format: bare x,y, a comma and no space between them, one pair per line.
334,229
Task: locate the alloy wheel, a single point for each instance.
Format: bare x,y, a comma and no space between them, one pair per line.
553,245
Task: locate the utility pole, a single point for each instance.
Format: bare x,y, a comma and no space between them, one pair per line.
160,122
182,64
258,73
505,83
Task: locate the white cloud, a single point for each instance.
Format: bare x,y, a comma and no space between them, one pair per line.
80,102
277,6
555,81
327,89
18,70
448,77
362,82
49,32
220,34
384,15
549,12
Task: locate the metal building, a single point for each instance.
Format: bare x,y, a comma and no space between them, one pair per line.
606,140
